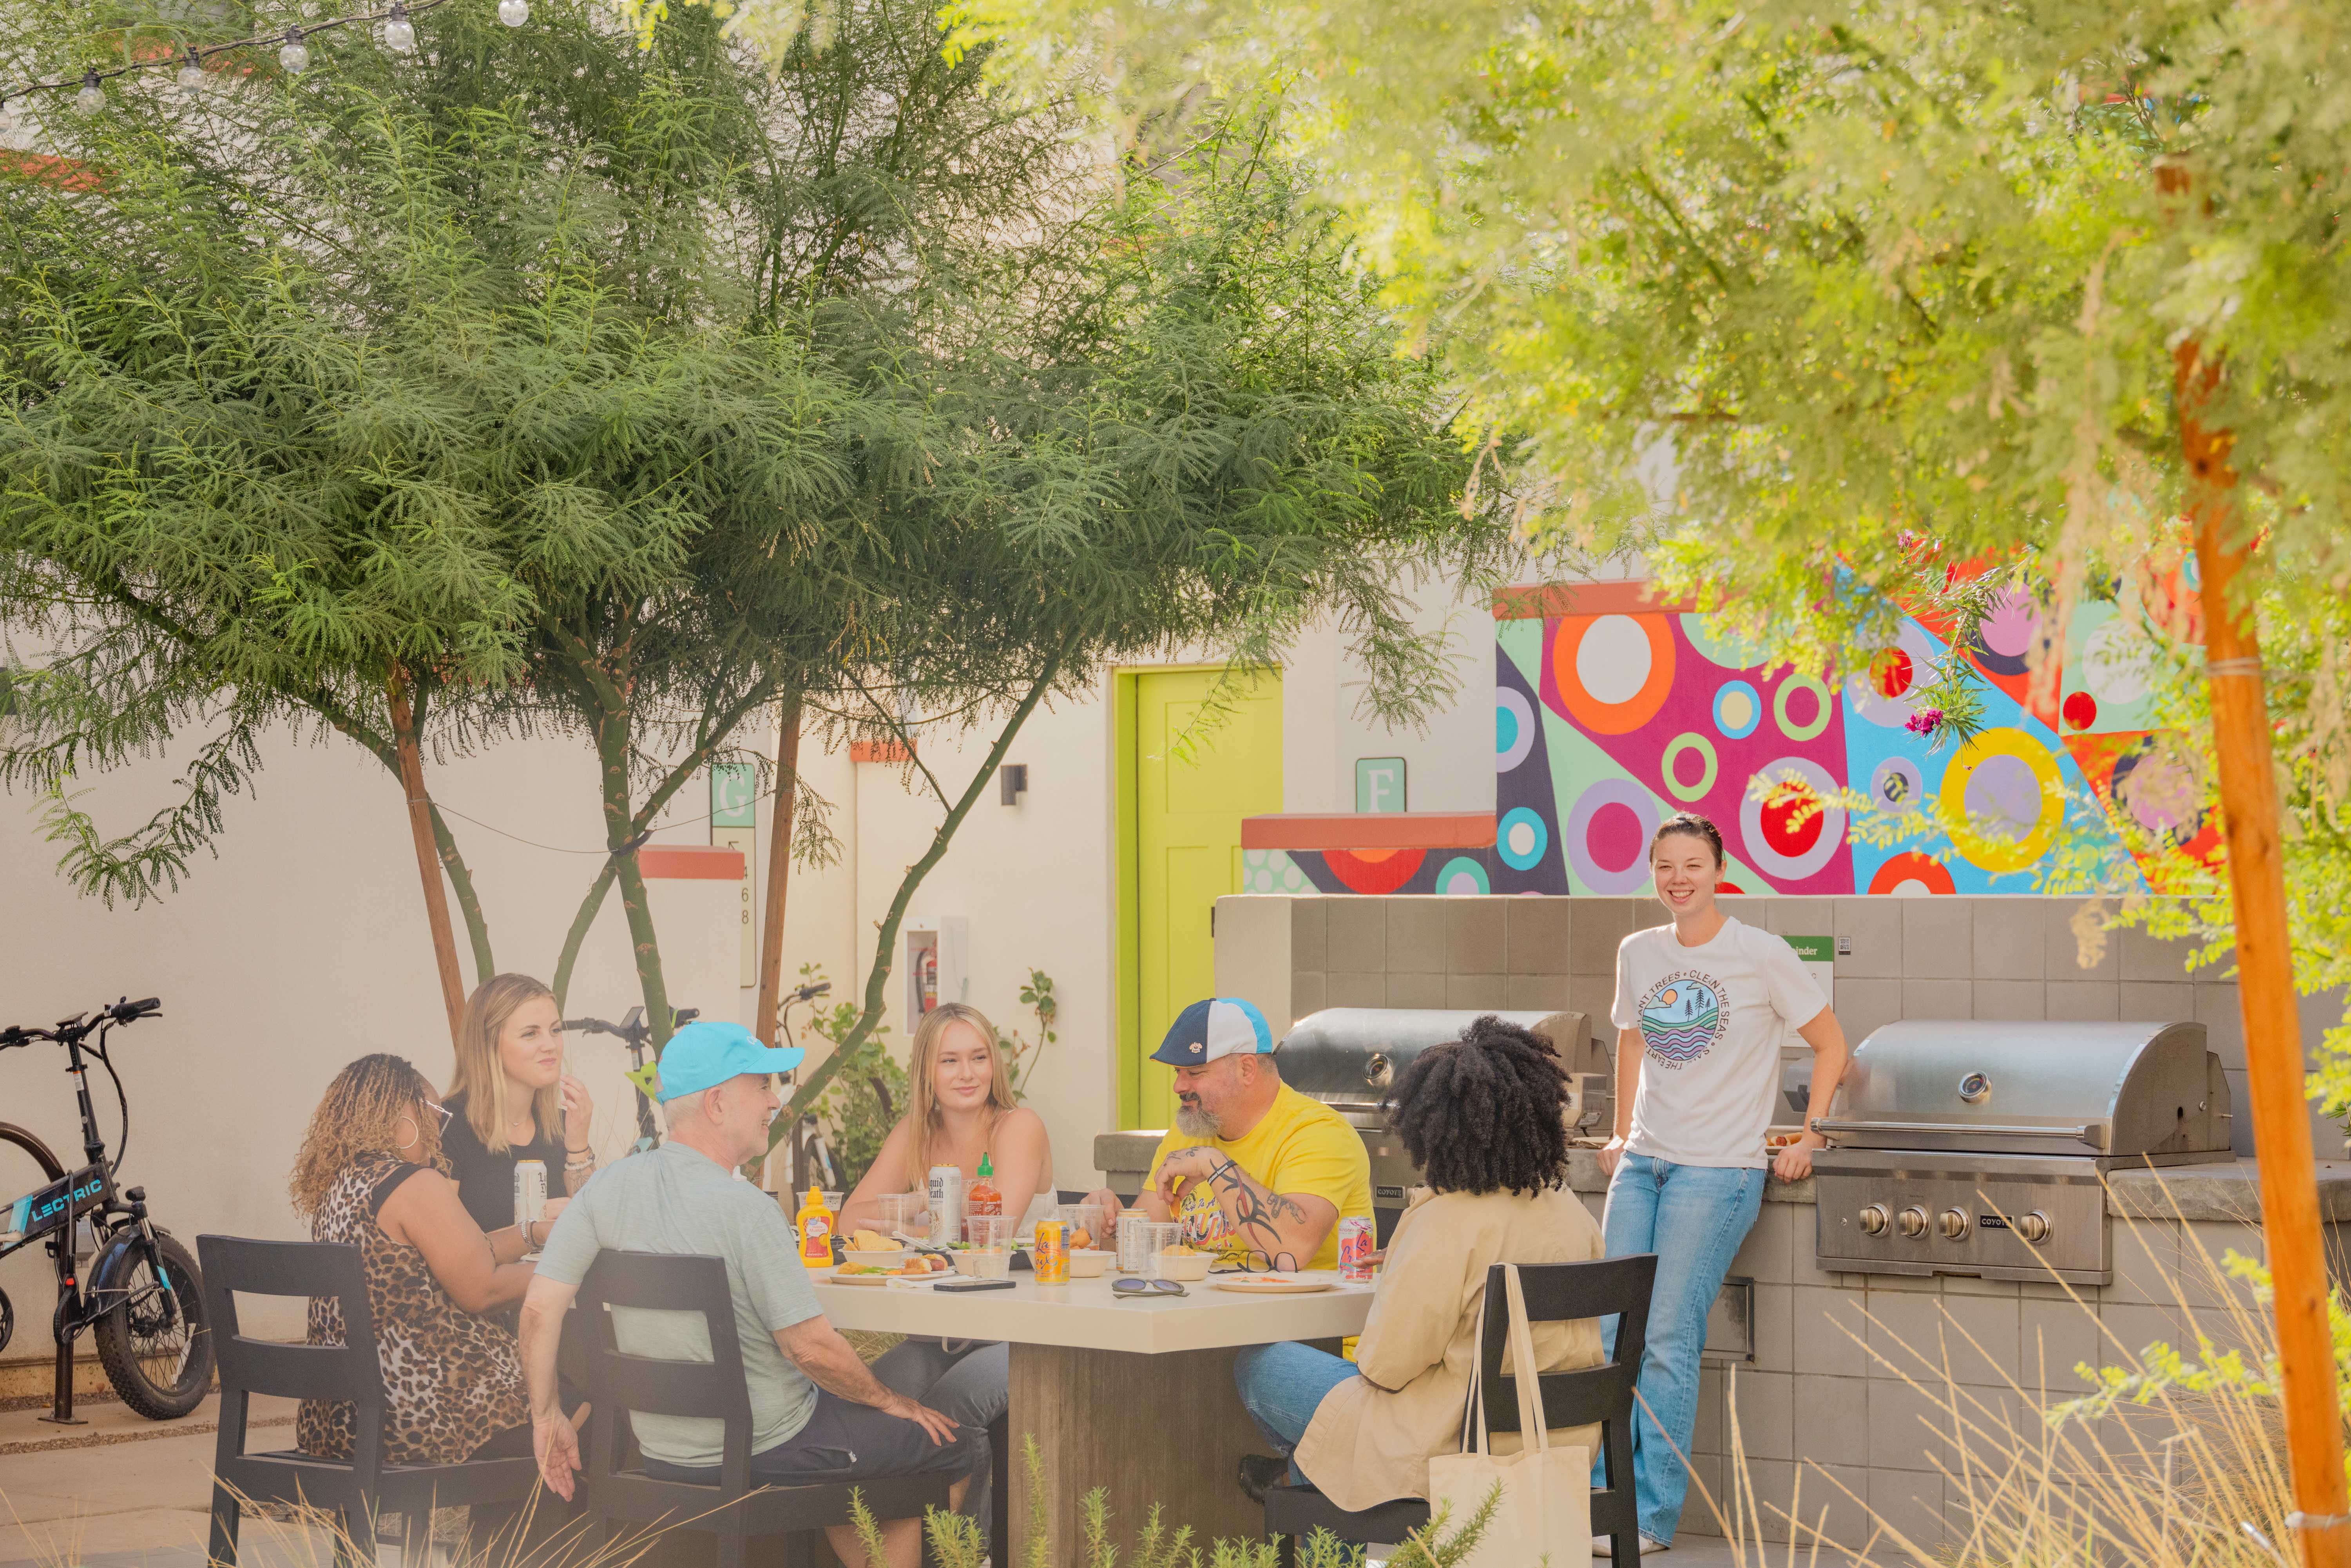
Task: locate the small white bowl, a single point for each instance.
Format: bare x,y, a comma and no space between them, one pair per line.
1186,1267
1090,1262
888,1256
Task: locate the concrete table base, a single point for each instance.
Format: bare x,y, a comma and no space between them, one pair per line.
1165,1429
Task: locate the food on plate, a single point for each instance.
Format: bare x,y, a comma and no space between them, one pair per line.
870,1242
862,1268
1179,1251
1082,1239
922,1263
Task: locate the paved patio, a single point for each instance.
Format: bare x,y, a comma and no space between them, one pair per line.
124,1492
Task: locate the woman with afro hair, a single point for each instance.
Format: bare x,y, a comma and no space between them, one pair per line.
1484,1117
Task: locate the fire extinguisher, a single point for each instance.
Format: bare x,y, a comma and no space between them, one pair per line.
927,977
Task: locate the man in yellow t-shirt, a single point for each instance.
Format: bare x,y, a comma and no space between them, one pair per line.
1252,1169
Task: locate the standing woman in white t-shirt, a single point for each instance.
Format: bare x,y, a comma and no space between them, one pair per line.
1702,1008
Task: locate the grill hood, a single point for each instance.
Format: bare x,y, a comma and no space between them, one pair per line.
2124,1091
1347,1057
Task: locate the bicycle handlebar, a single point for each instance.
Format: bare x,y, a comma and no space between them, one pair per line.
124,1012
81,1026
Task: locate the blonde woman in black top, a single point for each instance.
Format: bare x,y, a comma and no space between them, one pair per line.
512,1100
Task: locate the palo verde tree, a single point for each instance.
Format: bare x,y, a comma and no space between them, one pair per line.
848,386
2056,287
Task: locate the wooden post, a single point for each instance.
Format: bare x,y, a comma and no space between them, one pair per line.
780,871
428,854
2242,739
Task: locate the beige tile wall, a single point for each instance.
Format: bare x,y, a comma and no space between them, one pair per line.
2010,958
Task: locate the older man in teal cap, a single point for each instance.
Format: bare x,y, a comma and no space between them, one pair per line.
812,1399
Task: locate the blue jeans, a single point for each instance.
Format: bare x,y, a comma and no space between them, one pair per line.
1281,1385
1694,1218
971,1384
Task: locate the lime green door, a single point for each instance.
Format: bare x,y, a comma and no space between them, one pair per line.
1187,851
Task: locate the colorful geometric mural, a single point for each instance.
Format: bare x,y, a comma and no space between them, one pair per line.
1611,713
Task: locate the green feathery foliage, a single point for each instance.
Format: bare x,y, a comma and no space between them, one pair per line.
617,394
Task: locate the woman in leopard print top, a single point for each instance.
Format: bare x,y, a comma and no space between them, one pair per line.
370,1174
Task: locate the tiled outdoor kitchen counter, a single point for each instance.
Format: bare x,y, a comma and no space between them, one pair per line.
1811,1388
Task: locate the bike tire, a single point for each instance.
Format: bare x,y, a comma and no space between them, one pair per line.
133,1354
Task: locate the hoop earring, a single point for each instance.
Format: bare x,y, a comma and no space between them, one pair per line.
418,1134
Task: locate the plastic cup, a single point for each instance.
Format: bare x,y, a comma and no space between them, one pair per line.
990,1255
907,1212
1156,1239
1085,1217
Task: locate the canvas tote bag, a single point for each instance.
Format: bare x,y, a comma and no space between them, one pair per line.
1545,1511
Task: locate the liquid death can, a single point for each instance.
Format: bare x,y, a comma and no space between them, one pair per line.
946,1205
529,1189
1050,1257
1355,1250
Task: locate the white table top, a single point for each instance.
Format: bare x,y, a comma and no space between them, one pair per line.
1084,1316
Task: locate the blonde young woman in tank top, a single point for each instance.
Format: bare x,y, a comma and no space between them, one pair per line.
960,1107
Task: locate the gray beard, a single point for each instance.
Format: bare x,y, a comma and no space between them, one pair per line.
1198,1124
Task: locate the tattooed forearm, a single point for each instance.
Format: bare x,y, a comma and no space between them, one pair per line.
1257,1214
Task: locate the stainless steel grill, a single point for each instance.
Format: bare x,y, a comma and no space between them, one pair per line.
1977,1148
1347,1058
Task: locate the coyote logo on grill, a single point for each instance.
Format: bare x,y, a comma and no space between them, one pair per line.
1681,1018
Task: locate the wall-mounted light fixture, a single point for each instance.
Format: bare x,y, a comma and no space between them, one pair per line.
1011,781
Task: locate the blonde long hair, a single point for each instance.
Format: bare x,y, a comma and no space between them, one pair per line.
359,1114
479,1077
924,1122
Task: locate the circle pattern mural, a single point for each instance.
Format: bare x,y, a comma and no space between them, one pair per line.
1688,740
1897,785
1462,877
1911,874
2081,710
1272,871
2161,790
1821,711
1738,709
1881,695
1514,728
1373,871
1792,828
1606,835
1520,839
2002,800
1613,671
1733,652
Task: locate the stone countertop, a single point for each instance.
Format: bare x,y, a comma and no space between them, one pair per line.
2226,1192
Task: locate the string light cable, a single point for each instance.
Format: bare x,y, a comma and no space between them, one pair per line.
398,35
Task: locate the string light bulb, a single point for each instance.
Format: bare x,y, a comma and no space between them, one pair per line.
92,97
294,55
514,13
192,74
398,32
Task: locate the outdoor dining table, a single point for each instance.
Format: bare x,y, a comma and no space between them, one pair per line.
1132,1396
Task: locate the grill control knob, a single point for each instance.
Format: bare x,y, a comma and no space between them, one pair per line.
1952,1223
1913,1221
1873,1218
2033,1227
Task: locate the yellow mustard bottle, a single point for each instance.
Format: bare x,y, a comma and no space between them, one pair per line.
815,1224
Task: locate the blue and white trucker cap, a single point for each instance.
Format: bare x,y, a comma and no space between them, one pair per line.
1221,1026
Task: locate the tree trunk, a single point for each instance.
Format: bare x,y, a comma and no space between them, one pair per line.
469,904
779,871
428,854
619,834
2243,739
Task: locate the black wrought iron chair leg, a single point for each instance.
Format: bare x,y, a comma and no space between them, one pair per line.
226,1513
416,1538
354,1536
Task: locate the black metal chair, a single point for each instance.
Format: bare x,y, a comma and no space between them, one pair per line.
1613,1287
619,1497
354,1491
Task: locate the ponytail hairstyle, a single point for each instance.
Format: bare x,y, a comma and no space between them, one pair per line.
1697,827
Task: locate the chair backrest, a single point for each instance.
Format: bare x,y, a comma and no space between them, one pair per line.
617,1380
346,1372
1610,1287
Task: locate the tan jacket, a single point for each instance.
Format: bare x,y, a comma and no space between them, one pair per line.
1371,1436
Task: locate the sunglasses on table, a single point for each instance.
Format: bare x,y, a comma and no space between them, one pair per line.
1147,1288
1258,1263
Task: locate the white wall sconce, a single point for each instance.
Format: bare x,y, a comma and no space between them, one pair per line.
1012,780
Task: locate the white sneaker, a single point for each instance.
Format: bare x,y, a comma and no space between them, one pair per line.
1604,1546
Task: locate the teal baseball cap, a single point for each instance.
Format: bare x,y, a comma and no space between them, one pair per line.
706,1053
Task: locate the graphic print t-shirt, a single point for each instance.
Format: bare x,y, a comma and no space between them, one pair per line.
1713,1018
1299,1145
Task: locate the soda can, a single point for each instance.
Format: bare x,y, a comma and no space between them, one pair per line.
529,1189
946,1205
1050,1257
1355,1250
1133,1240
